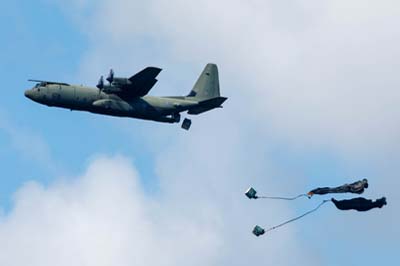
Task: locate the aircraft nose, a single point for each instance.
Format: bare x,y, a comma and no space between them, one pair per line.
28,94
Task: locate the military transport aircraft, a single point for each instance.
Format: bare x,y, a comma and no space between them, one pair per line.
127,97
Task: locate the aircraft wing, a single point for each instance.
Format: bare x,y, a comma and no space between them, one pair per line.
141,83
48,82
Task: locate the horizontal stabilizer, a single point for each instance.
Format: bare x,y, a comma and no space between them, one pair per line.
207,105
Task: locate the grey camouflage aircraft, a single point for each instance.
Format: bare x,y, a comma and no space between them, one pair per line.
127,97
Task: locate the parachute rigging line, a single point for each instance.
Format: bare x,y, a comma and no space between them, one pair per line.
299,217
251,193
283,198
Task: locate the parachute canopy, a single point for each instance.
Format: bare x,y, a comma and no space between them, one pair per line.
356,187
359,204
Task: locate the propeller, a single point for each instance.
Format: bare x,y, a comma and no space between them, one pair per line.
110,77
100,84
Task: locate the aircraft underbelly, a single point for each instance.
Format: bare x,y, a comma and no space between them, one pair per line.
82,99
112,107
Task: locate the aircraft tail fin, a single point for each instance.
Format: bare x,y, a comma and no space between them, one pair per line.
207,85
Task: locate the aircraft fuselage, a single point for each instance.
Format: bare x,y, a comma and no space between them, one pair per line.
82,98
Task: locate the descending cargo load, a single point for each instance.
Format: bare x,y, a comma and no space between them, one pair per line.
358,204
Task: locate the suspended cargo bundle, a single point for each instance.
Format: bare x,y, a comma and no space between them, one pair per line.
258,231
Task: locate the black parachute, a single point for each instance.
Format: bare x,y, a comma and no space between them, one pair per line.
359,204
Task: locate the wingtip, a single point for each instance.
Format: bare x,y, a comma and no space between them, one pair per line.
155,68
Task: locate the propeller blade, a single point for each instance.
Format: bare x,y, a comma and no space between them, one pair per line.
100,84
110,77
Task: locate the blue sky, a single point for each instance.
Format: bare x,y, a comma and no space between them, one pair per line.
37,49
294,139
33,48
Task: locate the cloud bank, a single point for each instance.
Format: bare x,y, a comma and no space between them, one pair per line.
103,218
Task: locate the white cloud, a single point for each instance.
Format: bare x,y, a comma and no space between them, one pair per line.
103,218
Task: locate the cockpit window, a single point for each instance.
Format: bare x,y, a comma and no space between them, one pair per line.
41,84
